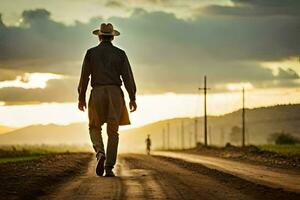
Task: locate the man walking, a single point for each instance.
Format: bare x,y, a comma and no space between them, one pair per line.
106,64
148,145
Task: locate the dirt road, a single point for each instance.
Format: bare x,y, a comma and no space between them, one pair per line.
156,177
273,177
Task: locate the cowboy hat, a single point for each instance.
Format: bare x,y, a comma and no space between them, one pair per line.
106,29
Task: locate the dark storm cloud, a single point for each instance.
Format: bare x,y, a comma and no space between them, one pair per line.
39,37
38,15
255,8
167,54
287,74
114,4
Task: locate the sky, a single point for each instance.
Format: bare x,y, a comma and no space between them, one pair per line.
171,45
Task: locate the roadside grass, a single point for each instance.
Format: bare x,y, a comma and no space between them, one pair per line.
13,153
282,149
15,159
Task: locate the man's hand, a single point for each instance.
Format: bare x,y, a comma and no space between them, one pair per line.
132,106
81,105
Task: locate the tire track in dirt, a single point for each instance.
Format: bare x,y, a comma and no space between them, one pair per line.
139,183
89,187
131,184
179,183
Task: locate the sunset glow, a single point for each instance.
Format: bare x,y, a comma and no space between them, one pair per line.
239,86
30,80
151,108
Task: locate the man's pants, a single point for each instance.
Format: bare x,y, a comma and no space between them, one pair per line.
106,104
112,143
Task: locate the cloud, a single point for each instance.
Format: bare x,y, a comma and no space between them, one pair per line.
7,74
30,16
39,37
167,54
287,74
57,90
30,80
217,38
114,4
257,8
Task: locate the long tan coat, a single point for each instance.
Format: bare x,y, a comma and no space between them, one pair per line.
106,104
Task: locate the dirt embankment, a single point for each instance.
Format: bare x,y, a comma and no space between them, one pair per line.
33,178
251,154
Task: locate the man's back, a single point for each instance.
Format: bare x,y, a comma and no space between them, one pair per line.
106,62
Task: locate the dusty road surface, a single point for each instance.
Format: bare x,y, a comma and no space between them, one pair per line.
157,177
273,177
31,178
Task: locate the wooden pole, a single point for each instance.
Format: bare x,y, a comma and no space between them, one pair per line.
205,111
243,120
178,137
168,134
196,132
182,134
205,114
163,139
191,140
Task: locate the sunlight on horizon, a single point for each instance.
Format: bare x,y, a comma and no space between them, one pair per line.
290,63
30,80
239,86
151,108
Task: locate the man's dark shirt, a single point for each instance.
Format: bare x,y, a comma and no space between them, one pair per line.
106,64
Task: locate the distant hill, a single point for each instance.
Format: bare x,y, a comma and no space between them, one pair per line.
260,124
47,134
5,129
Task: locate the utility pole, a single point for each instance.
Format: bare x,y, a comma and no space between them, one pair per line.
168,134
196,131
191,140
178,138
243,120
163,139
182,134
205,112
209,135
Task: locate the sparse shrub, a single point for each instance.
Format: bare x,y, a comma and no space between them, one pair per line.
284,138
228,145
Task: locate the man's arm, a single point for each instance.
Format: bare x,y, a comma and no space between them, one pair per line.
129,83
83,83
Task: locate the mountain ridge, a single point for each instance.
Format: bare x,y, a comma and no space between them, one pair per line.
260,123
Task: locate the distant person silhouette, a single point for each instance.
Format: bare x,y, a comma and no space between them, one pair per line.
148,145
106,64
